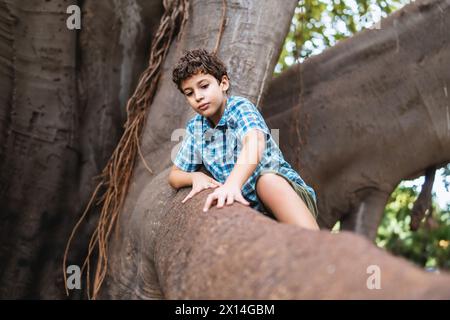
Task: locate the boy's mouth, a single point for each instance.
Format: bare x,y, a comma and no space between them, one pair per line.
203,107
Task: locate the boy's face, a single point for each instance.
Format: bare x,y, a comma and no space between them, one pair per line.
205,95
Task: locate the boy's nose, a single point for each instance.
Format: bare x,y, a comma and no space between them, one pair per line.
198,96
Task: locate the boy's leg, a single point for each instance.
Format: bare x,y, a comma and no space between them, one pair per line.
279,196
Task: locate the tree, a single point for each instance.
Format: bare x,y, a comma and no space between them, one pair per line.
156,238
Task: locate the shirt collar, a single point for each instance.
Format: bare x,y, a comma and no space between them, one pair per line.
206,124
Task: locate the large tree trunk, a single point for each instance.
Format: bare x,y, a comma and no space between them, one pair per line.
40,155
62,108
371,111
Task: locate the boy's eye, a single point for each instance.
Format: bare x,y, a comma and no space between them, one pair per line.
188,93
204,86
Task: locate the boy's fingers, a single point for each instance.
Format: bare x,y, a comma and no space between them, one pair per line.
242,200
221,201
208,202
230,199
190,195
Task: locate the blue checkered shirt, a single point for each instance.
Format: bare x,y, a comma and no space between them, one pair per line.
218,148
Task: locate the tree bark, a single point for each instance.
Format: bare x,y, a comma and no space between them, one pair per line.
369,112
40,157
62,98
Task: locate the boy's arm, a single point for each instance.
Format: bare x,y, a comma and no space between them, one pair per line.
179,178
253,145
198,180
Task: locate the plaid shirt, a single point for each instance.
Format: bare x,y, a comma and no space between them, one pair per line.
218,148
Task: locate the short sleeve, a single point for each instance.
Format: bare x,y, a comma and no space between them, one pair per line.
248,117
188,157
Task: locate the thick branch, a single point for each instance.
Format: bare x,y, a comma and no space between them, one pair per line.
369,112
176,251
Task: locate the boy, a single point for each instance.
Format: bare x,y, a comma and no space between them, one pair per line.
231,139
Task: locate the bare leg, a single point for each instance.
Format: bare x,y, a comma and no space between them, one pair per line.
279,196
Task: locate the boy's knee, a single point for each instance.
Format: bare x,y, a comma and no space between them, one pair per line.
266,179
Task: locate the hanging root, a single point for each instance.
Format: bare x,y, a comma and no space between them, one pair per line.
115,177
423,202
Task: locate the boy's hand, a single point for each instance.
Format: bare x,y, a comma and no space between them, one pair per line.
200,181
228,193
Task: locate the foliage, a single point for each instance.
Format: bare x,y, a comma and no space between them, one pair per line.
318,24
429,246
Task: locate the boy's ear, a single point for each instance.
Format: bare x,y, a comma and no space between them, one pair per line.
225,84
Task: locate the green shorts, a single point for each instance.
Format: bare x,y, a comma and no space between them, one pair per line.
300,190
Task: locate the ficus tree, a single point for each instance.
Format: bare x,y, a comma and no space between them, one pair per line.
353,121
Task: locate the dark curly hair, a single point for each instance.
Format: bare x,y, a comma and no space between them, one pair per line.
195,61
